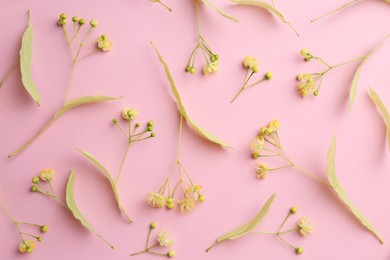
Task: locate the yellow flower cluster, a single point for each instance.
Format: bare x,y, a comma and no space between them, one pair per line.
27,246
104,43
156,200
129,113
211,67
261,170
251,63
304,226
46,174
165,239
306,84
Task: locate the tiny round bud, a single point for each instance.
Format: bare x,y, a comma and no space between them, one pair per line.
44,228
192,70
93,23
61,22
304,52
152,134
299,77
137,125
149,128
171,254
188,68
268,75
315,93
170,200
82,21
201,198
39,239
212,58
29,250
153,225
34,188
115,121
255,155
170,205
255,69
63,16
293,210
216,56
35,180
150,123
307,58
299,250
75,19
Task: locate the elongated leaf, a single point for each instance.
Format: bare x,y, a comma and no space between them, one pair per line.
267,7
331,172
114,187
211,5
382,108
70,105
201,131
71,203
249,226
355,82
25,63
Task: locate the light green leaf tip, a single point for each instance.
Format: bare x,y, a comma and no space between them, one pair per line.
114,187
331,172
25,63
70,105
71,203
201,131
355,82
383,110
247,227
267,7
211,5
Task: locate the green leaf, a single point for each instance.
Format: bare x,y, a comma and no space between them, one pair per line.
247,227
114,187
201,131
71,203
267,7
25,63
355,82
382,108
211,5
331,172
70,105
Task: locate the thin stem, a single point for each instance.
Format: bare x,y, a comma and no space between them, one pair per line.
123,161
337,9
312,175
8,214
122,131
257,82
13,67
167,7
264,233
350,61
155,253
197,17
68,40
179,141
288,231
243,86
213,245
69,81
287,243
148,239
89,54
282,167
283,222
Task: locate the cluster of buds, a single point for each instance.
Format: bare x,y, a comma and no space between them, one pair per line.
164,239
211,58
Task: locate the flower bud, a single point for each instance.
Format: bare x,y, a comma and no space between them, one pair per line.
171,254
268,75
93,23
304,52
137,125
82,21
299,76
315,93
149,128
299,250
75,19
63,16
39,239
201,198
171,205
188,68
192,70
35,180
34,188
150,123
293,210
170,200
44,228
153,225
152,134
115,121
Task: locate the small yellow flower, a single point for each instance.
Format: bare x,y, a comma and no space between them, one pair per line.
256,146
186,205
156,200
46,174
165,239
27,246
304,226
261,170
104,43
274,125
251,63
306,85
129,113
211,67
194,191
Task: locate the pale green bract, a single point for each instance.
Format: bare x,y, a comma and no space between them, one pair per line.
201,131
331,172
382,108
70,105
25,63
267,7
209,4
355,82
247,227
71,203
114,187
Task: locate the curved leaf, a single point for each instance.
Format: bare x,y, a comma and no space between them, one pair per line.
70,105
353,90
201,131
71,203
267,7
331,172
114,187
25,63
211,5
382,108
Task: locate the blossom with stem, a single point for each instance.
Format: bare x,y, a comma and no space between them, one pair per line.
164,239
45,178
304,229
76,42
252,67
28,240
166,196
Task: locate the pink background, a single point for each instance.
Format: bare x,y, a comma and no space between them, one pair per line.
233,194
